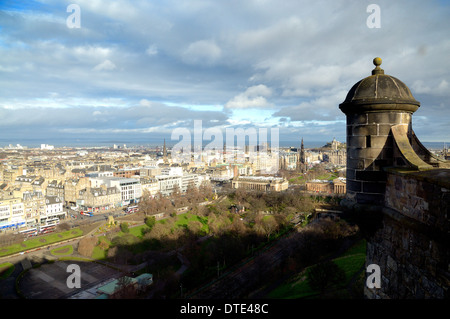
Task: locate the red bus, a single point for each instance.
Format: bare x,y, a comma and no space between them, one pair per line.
29,232
90,214
132,209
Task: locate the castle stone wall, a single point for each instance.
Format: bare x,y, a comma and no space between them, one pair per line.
411,246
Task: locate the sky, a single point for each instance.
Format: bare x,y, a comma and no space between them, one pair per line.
138,70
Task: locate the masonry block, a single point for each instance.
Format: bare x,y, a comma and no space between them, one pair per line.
356,119
363,130
374,187
370,175
353,185
388,117
371,199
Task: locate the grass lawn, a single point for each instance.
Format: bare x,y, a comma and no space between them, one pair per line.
6,269
40,241
99,253
137,231
62,251
184,220
297,287
139,245
297,180
327,176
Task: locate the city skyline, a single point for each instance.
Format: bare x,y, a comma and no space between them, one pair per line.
135,71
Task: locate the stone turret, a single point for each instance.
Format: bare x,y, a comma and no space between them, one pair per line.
379,112
397,191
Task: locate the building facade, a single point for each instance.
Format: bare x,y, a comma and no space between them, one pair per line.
12,213
260,183
98,199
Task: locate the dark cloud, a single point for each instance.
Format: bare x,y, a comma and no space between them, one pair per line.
157,65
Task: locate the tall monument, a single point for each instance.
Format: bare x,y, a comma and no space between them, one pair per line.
165,153
301,159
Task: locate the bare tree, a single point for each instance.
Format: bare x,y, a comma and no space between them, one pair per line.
146,204
125,289
159,231
86,246
265,225
192,193
195,227
63,227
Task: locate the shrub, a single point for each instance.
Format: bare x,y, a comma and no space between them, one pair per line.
124,228
150,221
325,275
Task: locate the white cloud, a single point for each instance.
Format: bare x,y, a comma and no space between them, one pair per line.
119,9
202,52
325,108
106,65
441,88
253,97
152,50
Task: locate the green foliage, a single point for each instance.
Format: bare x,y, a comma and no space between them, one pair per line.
6,269
62,251
325,275
350,262
150,222
40,241
125,240
124,228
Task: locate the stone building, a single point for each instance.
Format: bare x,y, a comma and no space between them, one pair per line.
260,183
72,188
55,188
336,157
9,174
127,172
319,186
34,206
336,186
53,208
397,190
339,185
98,199
130,188
150,185
12,213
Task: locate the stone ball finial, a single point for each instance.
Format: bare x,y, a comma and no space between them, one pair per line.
377,62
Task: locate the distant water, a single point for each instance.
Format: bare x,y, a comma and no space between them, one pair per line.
152,142
129,142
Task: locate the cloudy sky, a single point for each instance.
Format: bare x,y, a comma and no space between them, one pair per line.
136,70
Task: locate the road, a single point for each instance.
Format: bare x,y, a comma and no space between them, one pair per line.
78,218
